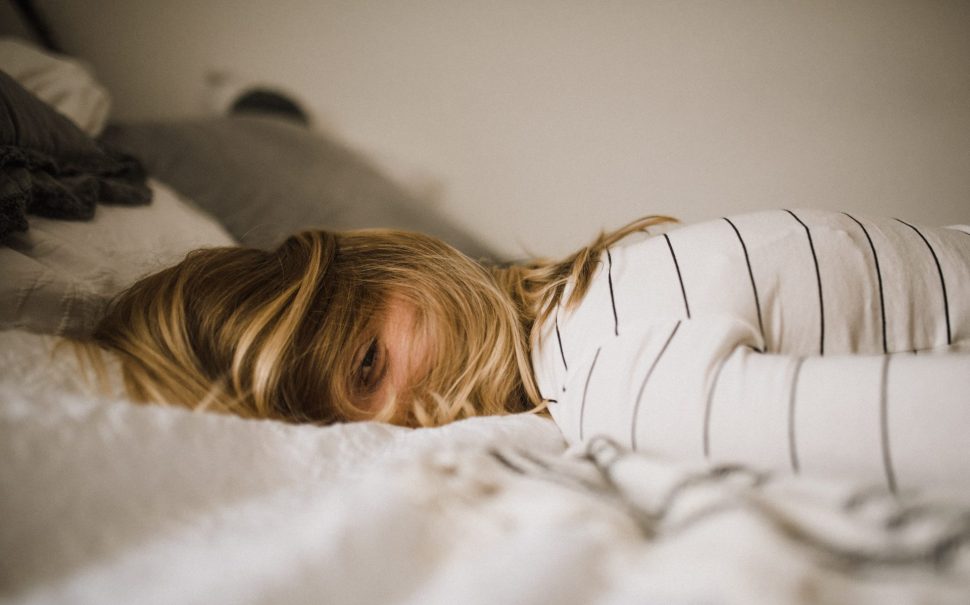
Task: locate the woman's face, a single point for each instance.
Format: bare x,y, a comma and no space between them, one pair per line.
392,361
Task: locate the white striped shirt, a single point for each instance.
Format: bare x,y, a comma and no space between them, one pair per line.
784,339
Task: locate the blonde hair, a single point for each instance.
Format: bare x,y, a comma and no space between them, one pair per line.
273,334
537,287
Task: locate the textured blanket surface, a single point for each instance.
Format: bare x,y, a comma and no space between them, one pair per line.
103,501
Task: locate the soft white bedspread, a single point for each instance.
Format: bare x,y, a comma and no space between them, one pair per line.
102,501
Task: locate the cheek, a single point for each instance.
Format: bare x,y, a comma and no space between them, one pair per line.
409,344
381,408
411,361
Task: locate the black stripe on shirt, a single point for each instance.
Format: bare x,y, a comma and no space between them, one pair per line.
609,277
562,353
882,301
680,278
582,406
754,287
939,269
818,279
643,386
887,458
792,442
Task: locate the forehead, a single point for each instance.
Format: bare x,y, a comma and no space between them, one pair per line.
399,313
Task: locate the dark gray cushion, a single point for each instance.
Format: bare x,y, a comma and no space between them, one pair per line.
264,178
50,167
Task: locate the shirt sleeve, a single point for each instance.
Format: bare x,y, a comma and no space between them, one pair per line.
700,389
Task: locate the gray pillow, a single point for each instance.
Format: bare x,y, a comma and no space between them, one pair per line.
50,167
264,178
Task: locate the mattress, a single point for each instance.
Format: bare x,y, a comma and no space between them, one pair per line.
106,501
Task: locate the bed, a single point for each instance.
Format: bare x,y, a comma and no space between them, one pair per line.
106,501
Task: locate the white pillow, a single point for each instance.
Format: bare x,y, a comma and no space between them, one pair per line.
57,277
68,85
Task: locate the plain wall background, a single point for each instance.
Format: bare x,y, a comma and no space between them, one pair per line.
542,122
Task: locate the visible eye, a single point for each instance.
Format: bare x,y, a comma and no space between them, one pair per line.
367,364
370,371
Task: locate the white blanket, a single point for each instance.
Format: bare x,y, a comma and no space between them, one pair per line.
103,501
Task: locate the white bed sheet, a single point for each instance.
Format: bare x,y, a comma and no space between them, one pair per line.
102,501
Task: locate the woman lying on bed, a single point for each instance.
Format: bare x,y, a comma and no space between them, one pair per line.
797,339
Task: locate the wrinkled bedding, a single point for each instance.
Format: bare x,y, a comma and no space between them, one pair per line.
103,501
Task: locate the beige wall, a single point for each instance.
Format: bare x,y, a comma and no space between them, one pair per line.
544,121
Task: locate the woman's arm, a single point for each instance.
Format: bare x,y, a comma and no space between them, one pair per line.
698,388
